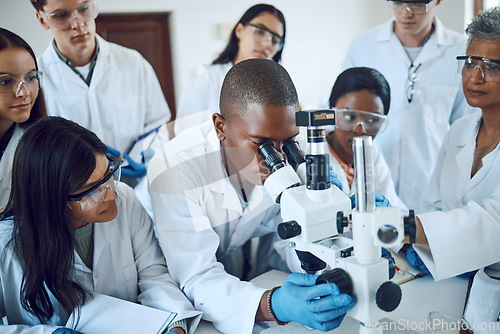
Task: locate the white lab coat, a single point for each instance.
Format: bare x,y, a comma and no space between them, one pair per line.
6,166
203,94
200,221
128,264
416,130
124,99
462,219
383,181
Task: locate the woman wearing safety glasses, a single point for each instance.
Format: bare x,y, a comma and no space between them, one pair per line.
71,230
21,101
460,228
259,33
361,97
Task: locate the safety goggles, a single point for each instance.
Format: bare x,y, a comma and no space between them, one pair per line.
62,19
11,83
95,195
262,34
413,7
489,68
371,122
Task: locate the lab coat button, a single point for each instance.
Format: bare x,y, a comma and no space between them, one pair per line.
92,94
96,274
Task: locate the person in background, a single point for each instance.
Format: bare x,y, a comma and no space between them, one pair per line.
458,231
208,201
259,33
21,101
109,89
71,230
416,54
361,97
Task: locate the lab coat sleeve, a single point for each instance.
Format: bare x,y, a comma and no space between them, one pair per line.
461,239
190,244
25,329
157,288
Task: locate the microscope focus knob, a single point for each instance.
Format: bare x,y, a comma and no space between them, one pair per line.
411,226
341,222
289,229
339,277
388,296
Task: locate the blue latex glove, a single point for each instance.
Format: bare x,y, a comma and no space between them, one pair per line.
416,261
133,169
66,331
387,253
321,306
334,179
380,201
172,332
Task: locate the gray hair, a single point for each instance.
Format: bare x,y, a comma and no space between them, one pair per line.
486,25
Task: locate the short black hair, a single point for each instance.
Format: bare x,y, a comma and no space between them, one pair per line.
256,81
356,79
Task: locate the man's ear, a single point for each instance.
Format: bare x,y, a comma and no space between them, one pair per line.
42,21
220,125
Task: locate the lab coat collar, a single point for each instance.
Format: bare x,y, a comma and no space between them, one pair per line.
439,38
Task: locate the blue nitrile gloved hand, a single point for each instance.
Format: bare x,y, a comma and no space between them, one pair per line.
133,169
172,332
416,261
380,201
334,179
66,331
387,253
321,306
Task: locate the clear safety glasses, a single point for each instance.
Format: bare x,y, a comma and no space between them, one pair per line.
413,7
11,83
489,68
94,196
262,34
62,19
371,122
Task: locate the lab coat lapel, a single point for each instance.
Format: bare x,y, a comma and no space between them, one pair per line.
102,65
394,46
465,157
223,187
437,40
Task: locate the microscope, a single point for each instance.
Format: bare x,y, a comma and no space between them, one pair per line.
315,216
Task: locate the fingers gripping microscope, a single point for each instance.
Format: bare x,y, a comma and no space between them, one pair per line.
315,215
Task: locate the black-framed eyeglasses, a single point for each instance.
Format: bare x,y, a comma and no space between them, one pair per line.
490,68
94,196
261,34
412,78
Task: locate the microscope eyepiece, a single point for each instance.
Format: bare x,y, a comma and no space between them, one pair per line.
294,153
272,158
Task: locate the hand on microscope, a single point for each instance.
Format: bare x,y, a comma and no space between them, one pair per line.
299,299
380,201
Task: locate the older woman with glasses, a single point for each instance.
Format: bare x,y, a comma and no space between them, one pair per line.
259,33
461,227
21,101
361,97
70,230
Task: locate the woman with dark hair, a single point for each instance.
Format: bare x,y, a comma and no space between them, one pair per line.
259,33
21,101
361,97
70,230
